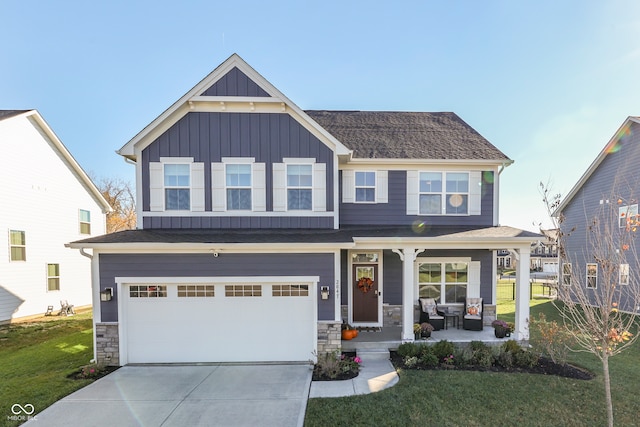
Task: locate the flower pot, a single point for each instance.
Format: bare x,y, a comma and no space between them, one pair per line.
500,332
417,335
426,334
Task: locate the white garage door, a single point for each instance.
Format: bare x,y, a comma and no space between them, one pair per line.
242,321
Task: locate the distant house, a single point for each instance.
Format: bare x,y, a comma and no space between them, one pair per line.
47,201
262,227
544,253
608,191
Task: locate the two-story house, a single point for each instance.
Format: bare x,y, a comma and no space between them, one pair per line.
600,222
262,227
47,200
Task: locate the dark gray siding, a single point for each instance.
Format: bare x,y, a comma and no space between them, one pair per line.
205,265
395,212
207,137
235,83
617,177
392,276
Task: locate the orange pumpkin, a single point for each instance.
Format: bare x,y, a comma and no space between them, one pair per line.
349,334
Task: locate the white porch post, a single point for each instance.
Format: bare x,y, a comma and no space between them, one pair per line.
522,294
408,256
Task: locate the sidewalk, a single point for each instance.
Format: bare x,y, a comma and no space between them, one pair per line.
375,374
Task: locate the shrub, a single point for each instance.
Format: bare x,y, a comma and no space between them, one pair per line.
511,346
443,349
504,358
328,365
430,360
551,339
483,358
525,359
478,346
408,349
410,361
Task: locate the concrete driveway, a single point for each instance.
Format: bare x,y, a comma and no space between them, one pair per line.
179,395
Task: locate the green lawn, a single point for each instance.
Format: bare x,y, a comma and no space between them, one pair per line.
35,359
462,398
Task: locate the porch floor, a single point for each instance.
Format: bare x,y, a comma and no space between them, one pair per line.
389,338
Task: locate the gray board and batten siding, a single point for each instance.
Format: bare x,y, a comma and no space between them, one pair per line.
166,266
617,176
395,211
235,83
267,137
392,273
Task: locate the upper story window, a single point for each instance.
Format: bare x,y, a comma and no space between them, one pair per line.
365,186
624,274
592,276
17,245
238,181
299,187
238,184
444,193
176,184
177,190
299,184
85,222
566,274
53,277
627,215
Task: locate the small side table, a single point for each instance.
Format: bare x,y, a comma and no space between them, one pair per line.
455,320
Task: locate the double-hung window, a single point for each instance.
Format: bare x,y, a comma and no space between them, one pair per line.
454,197
628,216
624,274
299,187
85,222
238,182
566,274
177,190
53,277
365,187
17,245
430,193
592,276
447,282
457,193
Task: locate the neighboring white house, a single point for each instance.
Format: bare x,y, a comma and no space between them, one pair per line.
47,201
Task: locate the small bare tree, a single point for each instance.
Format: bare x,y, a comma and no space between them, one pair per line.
597,302
122,200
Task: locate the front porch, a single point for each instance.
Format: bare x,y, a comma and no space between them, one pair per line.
390,337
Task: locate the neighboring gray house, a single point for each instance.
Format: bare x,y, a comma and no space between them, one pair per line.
608,191
262,227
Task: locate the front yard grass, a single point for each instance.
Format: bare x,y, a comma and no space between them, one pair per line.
35,359
455,398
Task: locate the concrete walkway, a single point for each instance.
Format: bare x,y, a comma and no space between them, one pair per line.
376,373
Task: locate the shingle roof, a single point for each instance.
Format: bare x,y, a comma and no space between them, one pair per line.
343,235
5,114
406,135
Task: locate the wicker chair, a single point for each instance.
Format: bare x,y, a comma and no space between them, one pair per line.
429,313
473,314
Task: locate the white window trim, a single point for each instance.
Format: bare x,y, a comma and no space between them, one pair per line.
11,245
349,186
238,161
80,221
374,187
620,275
474,192
52,277
627,211
157,187
318,186
310,187
567,274
587,275
473,275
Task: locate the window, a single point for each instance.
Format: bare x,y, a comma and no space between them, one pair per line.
196,291
566,274
243,290
53,277
290,290
430,193
299,187
85,222
446,281
592,276
365,187
627,215
238,180
148,291
18,245
457,195
177,186
624,274
455,198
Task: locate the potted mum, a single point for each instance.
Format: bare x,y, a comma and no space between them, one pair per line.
501,329
426,329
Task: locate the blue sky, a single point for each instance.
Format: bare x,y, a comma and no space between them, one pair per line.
547,82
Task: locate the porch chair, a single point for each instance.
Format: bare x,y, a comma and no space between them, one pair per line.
429,313
49,311
473,314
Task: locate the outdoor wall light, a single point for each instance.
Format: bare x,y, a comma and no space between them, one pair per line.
106,295
324,292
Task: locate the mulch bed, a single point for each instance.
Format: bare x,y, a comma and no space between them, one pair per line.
544,367
101,372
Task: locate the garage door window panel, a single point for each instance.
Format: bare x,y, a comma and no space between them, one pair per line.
243,290
290,290
196,291
148,291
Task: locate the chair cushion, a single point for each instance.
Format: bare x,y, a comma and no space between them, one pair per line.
429,306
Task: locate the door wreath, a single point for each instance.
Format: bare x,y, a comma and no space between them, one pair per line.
365,284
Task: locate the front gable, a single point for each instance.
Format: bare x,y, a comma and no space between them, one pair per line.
235,83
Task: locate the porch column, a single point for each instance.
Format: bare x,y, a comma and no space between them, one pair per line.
522,294
408,256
